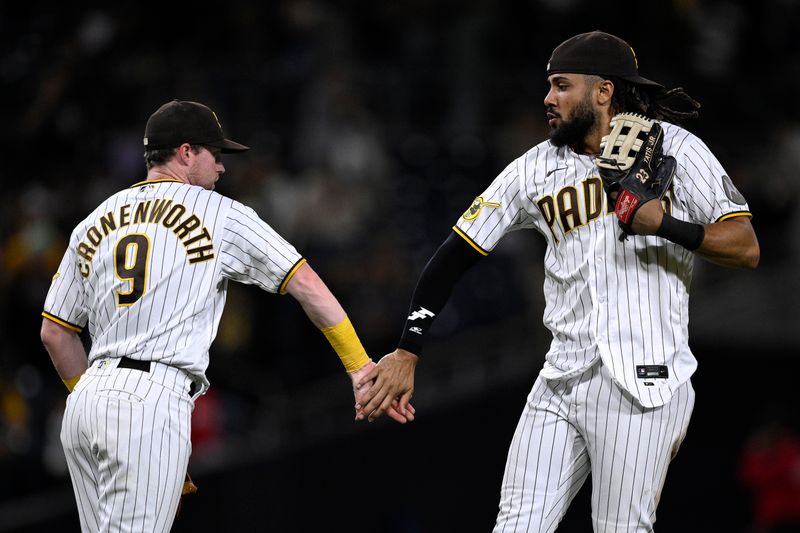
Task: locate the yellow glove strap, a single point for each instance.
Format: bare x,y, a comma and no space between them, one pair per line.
71,382
345,342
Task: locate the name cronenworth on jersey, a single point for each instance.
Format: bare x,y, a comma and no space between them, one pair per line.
190,229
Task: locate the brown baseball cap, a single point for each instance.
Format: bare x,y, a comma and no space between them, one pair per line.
597,53
178,122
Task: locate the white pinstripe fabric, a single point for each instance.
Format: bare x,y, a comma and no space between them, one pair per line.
126,436
614,395
176,318
627,302
570,426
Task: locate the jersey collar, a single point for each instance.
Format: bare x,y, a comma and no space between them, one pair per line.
157,180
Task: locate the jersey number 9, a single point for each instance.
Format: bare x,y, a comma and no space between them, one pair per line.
131,262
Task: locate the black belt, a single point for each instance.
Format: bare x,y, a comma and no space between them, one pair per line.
127,362
144,366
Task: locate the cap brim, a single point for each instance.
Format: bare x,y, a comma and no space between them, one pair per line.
229,147
642,81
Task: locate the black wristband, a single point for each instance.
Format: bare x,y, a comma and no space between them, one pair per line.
687,234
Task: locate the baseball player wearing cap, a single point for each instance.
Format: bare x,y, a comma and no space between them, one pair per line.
614,396
147,271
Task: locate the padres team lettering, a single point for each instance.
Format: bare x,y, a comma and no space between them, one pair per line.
572,209
189,229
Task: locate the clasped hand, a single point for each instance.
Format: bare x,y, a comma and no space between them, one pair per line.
386,387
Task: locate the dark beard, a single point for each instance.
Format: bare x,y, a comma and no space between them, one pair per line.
573,132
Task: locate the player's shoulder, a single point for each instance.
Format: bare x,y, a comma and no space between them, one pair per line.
542,155
536,164
679,140
543,159
229,208
156,190
672,130
543,150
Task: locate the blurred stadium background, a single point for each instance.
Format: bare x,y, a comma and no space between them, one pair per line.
372,126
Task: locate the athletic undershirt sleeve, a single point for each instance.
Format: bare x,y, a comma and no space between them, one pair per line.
454,257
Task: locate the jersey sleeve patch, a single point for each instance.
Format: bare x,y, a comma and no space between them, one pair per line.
731,192
62,322
475,209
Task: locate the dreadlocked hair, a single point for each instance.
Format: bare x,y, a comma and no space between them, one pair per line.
651,101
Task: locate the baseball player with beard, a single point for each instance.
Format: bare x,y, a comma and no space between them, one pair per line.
147,272
625,199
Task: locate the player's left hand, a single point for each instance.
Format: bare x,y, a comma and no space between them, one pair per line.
392,387
361,385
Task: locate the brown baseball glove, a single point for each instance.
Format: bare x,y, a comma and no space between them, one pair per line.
188,488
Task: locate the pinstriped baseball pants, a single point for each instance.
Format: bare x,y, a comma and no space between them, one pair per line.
126,436
584,424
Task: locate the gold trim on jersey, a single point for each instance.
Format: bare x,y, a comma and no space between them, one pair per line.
735,214
282,288
61,322
470,241
157,180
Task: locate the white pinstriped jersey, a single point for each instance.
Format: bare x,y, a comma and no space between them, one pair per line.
148,271
626,302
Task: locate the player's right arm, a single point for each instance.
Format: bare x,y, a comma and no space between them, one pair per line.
66,351
252,252
325,312
318,302
64,316
716,207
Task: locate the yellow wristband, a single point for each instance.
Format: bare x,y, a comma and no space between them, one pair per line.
345,342
71,382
